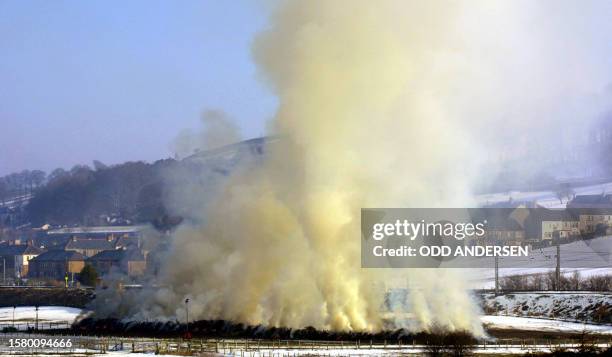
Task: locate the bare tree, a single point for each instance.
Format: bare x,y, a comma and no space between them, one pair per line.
59,172
3,191
37,177
564,190
574,281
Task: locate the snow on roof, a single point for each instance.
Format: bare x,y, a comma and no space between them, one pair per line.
59,255
98,230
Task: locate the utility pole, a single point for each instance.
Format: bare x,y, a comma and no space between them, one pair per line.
496,275
66,274
558,270
187,317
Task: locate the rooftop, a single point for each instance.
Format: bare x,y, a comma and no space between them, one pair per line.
544,214
19,249
59,256
119,255
93,244
591,200
98,230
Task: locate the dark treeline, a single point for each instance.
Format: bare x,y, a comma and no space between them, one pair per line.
163,192
127,193
548,281
20,184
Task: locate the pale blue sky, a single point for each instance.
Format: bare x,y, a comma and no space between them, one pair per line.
117,80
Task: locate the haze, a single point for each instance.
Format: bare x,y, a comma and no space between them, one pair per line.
86,80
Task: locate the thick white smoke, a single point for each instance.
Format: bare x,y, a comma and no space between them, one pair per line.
382,104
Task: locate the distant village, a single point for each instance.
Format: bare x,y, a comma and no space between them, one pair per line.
58,256
103,224
527,223
87,246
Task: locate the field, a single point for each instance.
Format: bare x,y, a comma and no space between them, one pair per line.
507,335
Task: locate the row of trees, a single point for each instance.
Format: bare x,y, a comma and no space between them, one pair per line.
163,192
20,184
128,192
573,282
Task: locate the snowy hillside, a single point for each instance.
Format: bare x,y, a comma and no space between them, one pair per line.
580,306
547,199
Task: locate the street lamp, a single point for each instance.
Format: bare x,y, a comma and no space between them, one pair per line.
36,326
187,317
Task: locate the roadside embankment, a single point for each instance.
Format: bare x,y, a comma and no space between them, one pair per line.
43,296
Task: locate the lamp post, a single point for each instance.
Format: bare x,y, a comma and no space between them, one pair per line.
187,317
558,268
36,325
496,275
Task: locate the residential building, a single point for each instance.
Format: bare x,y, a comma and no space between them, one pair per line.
544,225
127,261
15,258
90,246
127,242
595,221
55,264
591,201
504,231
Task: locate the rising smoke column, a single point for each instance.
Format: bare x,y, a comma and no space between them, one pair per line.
358,123
381,104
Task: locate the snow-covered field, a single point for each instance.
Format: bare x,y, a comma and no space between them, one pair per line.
25,316
131,354
45,313
496,350
490,347
540,304
391,350
547,325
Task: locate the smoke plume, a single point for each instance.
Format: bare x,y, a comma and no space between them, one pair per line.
218,129
381,104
